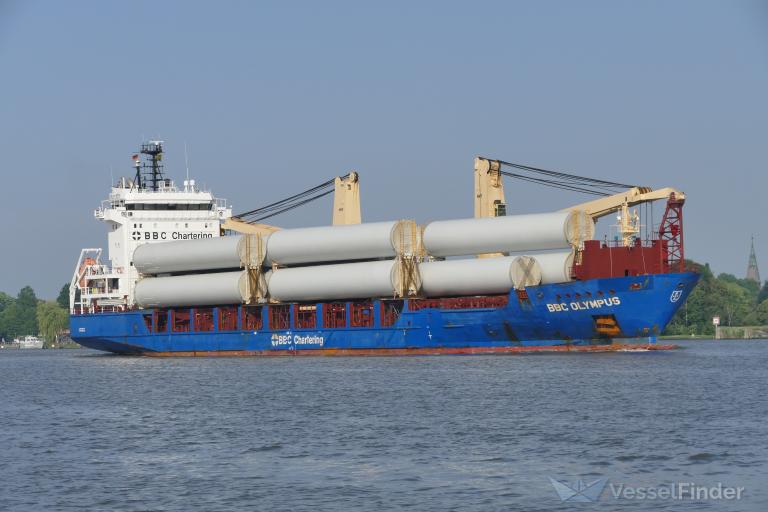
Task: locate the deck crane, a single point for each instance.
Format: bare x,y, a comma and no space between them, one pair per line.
489,189
629,223
489,193
490,201
346,199
617,197
346,206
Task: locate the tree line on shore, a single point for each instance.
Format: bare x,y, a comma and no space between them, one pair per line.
738,302
25,314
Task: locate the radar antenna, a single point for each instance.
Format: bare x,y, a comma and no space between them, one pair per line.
149,174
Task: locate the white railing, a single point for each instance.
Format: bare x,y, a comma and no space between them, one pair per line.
91,272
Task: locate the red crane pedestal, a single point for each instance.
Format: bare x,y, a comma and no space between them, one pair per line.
671,231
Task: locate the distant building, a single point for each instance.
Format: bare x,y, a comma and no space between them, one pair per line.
753,272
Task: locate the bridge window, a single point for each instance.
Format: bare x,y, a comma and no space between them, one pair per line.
165,207
306,316
280,317
335,315
361,314
204,319
252,318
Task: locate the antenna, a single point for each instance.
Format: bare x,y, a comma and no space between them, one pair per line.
186,159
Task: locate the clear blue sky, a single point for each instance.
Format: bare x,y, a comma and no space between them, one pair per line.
275,97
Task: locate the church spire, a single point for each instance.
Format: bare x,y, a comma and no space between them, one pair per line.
752,271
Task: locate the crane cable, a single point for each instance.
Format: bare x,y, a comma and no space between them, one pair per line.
289,203
555,179
561,180
291,207
553,184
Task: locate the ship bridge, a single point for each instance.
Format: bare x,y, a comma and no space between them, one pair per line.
148,208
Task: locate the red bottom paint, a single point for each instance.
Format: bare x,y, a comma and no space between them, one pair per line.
415,351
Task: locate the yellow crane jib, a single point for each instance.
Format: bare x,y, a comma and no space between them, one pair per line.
631,197
248,228
628,222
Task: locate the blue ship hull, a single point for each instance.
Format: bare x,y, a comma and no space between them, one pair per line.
597,314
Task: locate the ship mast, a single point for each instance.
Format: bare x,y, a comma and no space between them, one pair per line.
150,173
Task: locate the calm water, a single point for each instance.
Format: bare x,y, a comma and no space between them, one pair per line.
85,431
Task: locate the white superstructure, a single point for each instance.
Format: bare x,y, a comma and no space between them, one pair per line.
146,209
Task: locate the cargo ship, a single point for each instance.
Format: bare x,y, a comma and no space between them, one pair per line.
187,278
